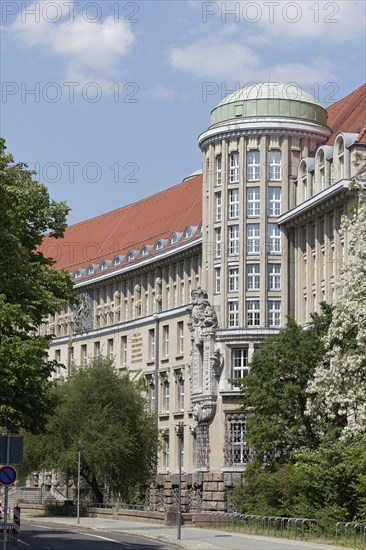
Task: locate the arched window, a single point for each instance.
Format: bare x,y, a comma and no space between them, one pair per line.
130,255
91,269
173,238
144,251
158,245
188,232
77,274
103,266
117,260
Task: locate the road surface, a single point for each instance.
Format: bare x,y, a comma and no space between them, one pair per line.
54,537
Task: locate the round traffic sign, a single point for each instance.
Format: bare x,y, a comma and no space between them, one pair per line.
8,475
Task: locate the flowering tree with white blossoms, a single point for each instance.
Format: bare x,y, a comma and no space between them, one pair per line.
337,391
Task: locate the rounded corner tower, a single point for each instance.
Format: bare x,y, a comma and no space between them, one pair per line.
251,152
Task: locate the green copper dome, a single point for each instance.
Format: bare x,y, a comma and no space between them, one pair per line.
268,100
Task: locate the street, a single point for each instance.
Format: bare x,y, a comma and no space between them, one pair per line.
54,537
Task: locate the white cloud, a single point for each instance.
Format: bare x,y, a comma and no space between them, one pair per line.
213,59
329,21
85,45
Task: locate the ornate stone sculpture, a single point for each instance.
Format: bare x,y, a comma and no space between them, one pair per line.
83,313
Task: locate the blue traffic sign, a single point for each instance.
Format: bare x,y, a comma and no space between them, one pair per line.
8,475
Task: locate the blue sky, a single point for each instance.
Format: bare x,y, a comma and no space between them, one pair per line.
122,89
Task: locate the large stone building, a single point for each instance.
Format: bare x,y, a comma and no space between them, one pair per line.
182,287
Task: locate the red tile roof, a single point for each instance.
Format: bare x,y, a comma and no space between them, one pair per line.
129,227
348,115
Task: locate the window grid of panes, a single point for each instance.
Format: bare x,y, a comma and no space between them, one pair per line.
274,165
274,276
218,170
233,313
253,313
233,203
218,242
233,240
253,201
218,207
239,362
253,238
234,168
274,313
253,276
233,279
274,238
274,201
217,280
253,165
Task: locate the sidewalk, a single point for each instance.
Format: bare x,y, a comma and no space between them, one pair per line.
192,538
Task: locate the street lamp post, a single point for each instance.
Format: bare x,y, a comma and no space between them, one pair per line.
78,484
180,433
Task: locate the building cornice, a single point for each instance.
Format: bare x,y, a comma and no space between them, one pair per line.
314,201
262,127
128,325
141,263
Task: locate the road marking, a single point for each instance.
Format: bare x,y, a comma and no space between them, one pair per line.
99,537
22,542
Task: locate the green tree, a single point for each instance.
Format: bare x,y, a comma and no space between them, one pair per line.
109,415
275,389
338,388
30,289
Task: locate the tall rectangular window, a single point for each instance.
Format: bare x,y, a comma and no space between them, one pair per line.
274,166
166,340
152,344
253,238
124,351
239,362
218,242
166,452
253,276
84,355
274,313
253,201
180,337
274,276
253,313
165,395
180,394
233,279
233,204
233,313
234,168
253,165
218,170
274,238
217,280
110,349
234,240
274,201
218,207
96,350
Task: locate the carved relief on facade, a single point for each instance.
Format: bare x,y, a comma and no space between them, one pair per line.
83,313
206,359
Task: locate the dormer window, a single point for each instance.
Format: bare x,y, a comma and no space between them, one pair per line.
130,256
117,260
144,251
103,266
77,274
158,245
188,232
173,238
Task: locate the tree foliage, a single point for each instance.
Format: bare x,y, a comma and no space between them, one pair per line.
108,414
30,289
275,389
327,483
338,388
